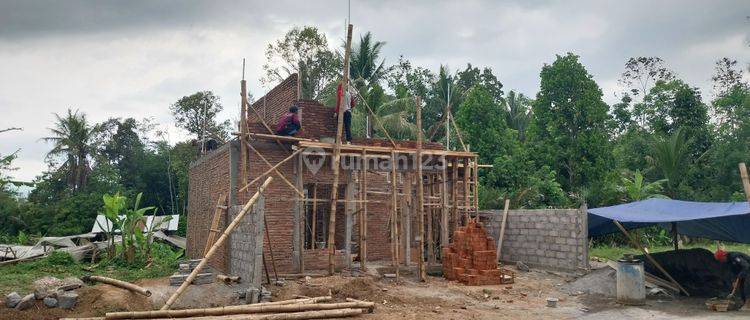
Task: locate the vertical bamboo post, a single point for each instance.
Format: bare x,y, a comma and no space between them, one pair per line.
337,160
313,233
454,193
407,209
500,236
476,187
363,214
301,214
745,181
444,203
430,223
467,174
420,191
243,131
394,213
217,244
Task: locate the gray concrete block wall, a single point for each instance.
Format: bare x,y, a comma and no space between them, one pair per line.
544,238
246,244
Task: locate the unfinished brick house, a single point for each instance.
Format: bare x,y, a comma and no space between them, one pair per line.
377,212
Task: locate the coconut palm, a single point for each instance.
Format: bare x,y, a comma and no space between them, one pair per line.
73,139
518,113
366,70
669,156
638,189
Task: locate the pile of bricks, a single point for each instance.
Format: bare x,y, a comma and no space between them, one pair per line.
471,258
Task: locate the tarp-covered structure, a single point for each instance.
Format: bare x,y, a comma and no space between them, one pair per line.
725,221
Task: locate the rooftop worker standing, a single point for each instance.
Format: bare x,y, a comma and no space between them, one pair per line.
289,123
739,263
347,110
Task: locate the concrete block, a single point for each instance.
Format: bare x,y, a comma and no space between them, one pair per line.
67,300
50,302
12,299
26,302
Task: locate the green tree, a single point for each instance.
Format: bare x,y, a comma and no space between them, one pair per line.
570,127
483,125
303,51
518,113
366,71
638,189
197,114
670,156
73,139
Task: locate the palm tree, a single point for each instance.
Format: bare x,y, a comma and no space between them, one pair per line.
638,189
518,113
366,70
669,156
72,138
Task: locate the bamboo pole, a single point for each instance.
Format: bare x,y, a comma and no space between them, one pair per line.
407,208
291,156
476,188
375,118
270,247
219,242
221,203
467,174
430,222
337,158
283,178
651,259
444,204
458,133
394,213
263,121
301,213
363,215
314,236
454,193
243,131
420,191
120,284
502,229
745,181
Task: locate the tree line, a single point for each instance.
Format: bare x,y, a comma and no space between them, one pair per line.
563,147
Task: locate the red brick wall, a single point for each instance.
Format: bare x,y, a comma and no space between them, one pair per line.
208,177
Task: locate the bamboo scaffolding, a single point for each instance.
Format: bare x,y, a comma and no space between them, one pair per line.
263,121
270,247
219,242
458,133
476,187
243,128
430,222
291,185
745,181
264,174
502,229
467,174
363,215
120,284
454,193
444,205
301,214
374,117
394,213
420,191
337,158
314,235
214,229
384,151
407,208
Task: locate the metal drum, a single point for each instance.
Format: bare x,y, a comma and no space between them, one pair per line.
631,285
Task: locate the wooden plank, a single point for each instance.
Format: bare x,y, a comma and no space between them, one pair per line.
337,158
272,169
651,259
420,191
502,230
745,181
272,137
220,205
219,242
385,150
283,178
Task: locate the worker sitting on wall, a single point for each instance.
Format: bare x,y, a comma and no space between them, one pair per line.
289,124
347,110
739,263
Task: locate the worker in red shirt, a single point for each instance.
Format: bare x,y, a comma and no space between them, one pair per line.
347,110
289,123
739,263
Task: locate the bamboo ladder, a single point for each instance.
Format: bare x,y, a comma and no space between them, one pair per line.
221,207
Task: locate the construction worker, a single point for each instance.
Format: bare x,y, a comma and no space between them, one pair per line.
347,110
289,123
739,263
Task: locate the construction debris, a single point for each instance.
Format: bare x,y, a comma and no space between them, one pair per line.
67,300
26,302
12,299
119,284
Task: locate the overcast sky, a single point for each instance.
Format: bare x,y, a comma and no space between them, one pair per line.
135,58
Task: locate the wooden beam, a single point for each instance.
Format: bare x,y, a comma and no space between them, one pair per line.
745,181
501,235
651,259
363,215
454,194
420,191
215,247
476,187
357,148
243,131
349,211
444,227
430,224
283,178
300,214
406,207
467,174
314,234
337,158
270,246
394,214
458,133
271,170
263,121
273,137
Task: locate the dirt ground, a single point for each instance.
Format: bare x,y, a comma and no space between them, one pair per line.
409,299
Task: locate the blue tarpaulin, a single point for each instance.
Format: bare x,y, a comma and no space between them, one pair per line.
725,221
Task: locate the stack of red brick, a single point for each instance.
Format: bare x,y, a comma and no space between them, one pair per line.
471,258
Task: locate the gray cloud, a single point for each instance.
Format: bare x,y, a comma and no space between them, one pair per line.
134,58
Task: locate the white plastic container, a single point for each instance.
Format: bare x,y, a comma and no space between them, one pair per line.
631,283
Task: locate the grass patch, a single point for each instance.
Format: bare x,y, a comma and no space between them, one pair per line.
616,252
19,277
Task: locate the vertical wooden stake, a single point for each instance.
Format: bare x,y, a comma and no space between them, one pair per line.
394,213
407,209
243,133
363,214
476,188
337,161
467,174
314,234
430,224
454,193
499,248
301,214
444,203
420,191
745,181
